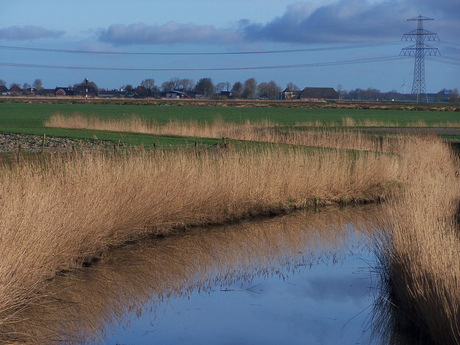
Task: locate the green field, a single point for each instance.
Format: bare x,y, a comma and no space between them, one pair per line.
28,118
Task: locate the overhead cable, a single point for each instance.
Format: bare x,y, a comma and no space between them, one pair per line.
318,64
69,51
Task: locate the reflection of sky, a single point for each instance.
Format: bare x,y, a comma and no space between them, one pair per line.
323,304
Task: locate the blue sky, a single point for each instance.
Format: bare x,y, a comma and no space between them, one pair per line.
351,43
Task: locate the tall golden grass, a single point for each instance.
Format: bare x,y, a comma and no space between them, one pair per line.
264,131
57,215
214,129
421,252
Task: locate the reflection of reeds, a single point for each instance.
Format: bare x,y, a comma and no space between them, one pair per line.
79,306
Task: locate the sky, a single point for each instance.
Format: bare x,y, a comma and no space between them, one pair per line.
344,44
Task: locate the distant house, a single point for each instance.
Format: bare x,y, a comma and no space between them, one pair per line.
63,91
3,89
15,91
319,93
112,93
45,92
176,94
312,93
226,94
290,94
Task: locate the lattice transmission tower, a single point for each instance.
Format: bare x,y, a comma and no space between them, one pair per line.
419,50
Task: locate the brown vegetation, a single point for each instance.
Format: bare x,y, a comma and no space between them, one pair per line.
79,306
71,209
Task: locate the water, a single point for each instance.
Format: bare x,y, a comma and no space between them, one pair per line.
307,278
323,304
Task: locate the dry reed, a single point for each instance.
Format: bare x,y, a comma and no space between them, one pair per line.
74,209
421,254
264,131
57,215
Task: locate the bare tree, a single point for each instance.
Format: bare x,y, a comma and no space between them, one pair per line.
128,88
86,87
292,87
205,86
150,86
237,89
38,85
269,90
249,88
187,85
167,86
454,96
222,86
2,82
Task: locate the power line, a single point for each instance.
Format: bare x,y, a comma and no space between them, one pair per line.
69,51
319,64
420,49
445,59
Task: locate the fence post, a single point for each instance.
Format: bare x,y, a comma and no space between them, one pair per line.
43,143
19,153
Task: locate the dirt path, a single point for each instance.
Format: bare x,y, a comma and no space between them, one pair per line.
13,142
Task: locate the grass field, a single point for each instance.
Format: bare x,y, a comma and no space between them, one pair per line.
29,118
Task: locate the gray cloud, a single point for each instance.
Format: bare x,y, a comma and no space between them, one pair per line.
171,32
28,32
340,21
352,21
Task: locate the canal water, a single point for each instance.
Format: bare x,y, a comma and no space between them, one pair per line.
304,278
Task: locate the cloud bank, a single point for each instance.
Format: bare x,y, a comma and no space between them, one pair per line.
340,21
27,33
170,32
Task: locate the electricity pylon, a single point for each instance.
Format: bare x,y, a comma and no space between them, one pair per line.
419,50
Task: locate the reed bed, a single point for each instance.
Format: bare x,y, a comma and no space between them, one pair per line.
58,214
215,129
264,131
350,122
421,251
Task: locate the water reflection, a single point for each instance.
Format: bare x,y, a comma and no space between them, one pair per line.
262,282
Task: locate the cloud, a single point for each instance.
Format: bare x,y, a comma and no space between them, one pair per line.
27,32
341,21
335,22
351,21
170,32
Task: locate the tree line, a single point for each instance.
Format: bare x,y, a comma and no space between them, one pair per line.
248,89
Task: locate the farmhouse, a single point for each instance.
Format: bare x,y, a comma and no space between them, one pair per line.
15,91
63,91
176,94
311,93
319,93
